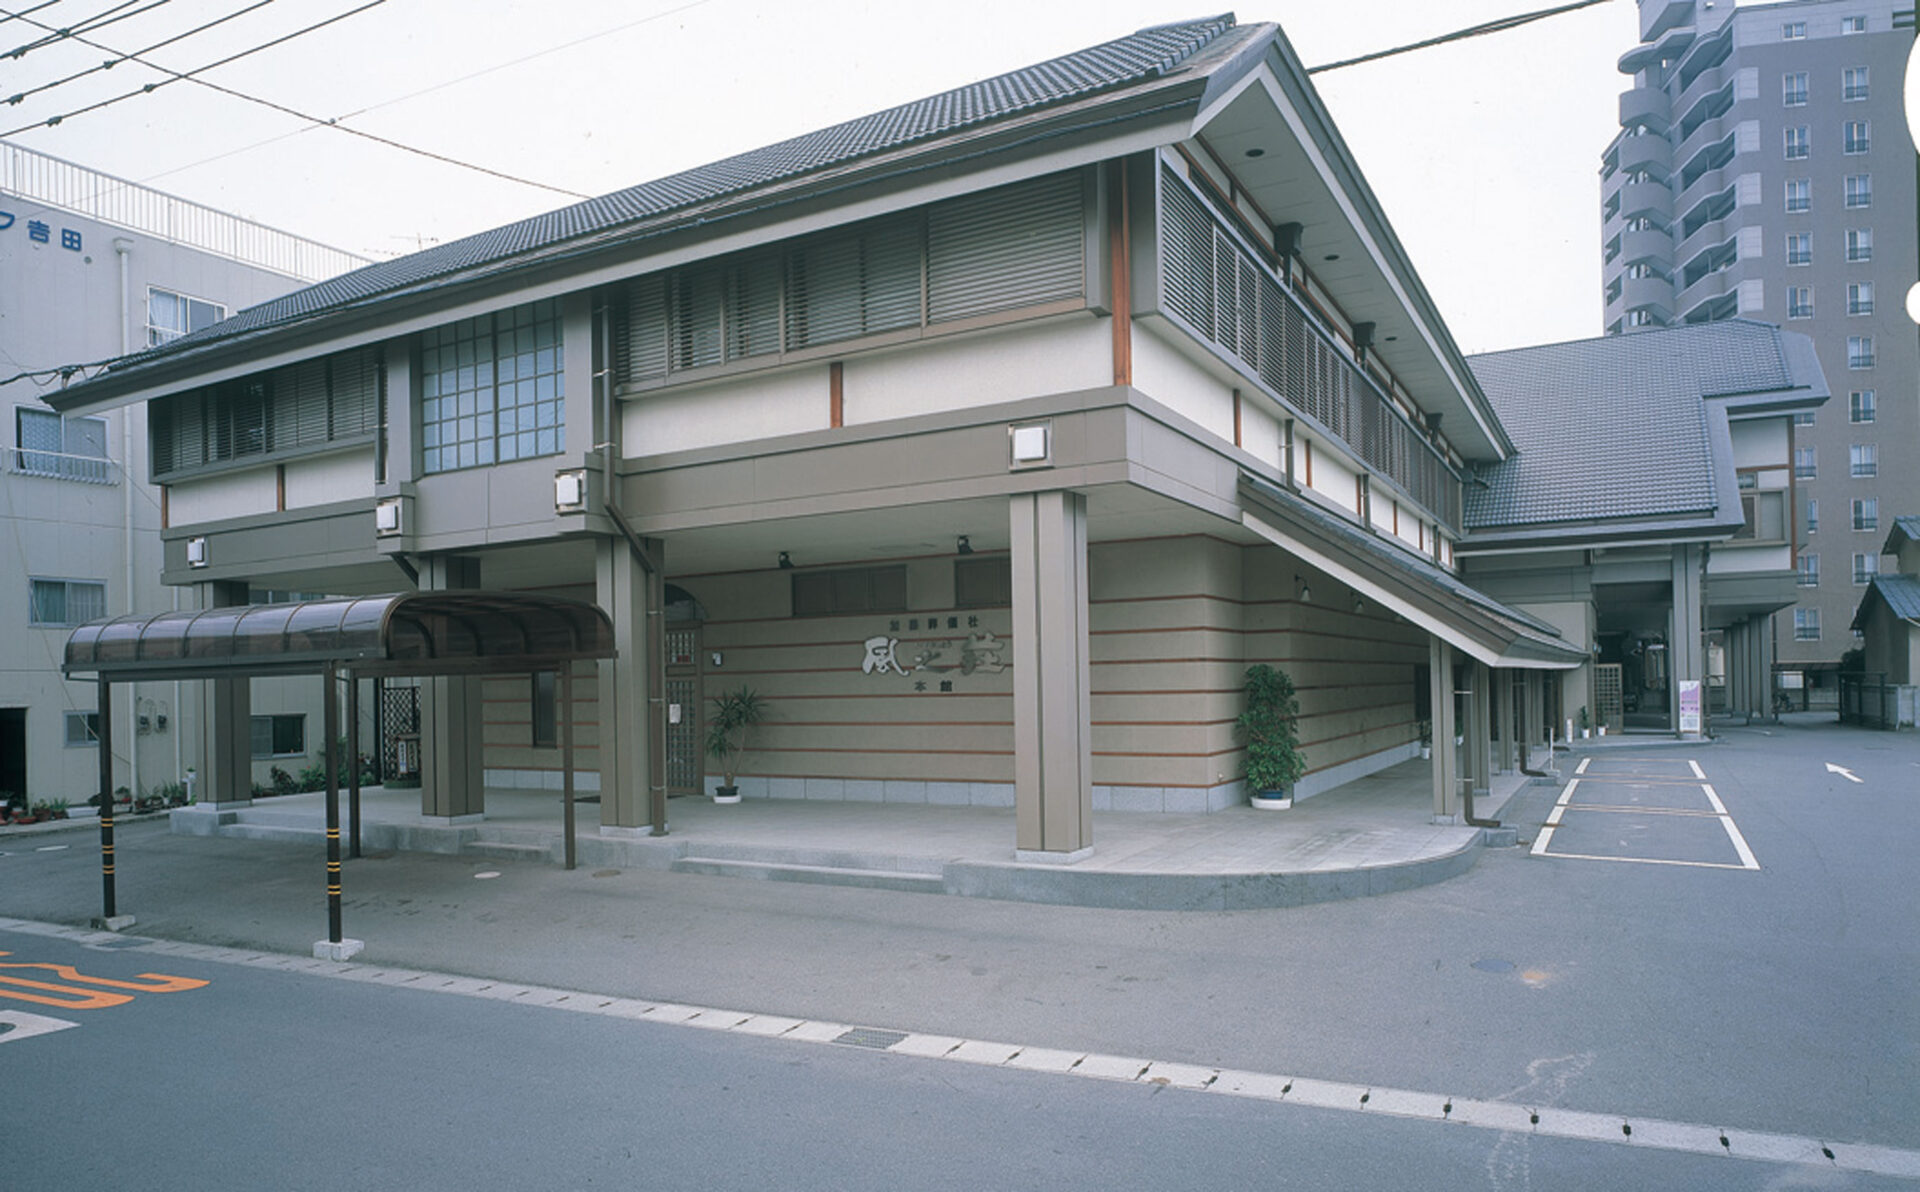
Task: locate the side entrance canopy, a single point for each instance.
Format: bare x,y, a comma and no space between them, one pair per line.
443,633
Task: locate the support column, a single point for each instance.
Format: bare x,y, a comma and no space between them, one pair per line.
1052,736
226,723
632,790
1686,644
1510,754
1480,728
1763,649
1446,758
452,774
1532,715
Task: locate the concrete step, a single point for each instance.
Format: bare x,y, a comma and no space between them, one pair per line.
506,850
824,858
820,875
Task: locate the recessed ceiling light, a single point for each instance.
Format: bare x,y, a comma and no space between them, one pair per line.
1256,152
1391,338
1332,256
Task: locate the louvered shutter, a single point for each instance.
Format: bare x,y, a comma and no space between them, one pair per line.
823,291
698,297
300,414
1015,246
753,311
890,260
640,337
1186,256
354,384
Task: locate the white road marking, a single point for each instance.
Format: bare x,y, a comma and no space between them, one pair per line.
1582,767
1465,1113
1719,808
1739,843
21,1025
1719,812
54,848
1843,772
1697,771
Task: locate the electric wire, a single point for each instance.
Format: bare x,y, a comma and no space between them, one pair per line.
1499,25
14,16
97,21
14,100
191,76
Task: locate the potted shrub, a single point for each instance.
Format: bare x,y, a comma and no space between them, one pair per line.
734,715
1426,740
1274,759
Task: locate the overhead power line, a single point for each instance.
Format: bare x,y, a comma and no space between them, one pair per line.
110,63
1495,26
192,76
98,21
14,16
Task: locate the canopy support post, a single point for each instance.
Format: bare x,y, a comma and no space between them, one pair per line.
334,947
353,765
566,757
110,919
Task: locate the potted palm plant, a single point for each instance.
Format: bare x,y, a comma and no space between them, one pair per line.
1274,758
734,715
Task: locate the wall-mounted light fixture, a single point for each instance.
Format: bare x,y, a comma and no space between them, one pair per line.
786,563
962,546
386,517
1359,605
196,552
1301,591
570,490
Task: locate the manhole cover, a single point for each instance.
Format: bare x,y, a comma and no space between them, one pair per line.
1494,966
862,1036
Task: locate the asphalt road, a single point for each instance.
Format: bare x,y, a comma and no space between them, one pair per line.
1778,999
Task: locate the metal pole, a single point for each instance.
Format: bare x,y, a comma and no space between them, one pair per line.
353,764
566,755
105,745
330,720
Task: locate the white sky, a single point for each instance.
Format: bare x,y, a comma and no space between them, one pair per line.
1484,153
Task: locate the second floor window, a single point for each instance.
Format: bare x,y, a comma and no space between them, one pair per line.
1798,145
1806,624
1864,459
1860,406
67,448
171,315
1865,566
1860,298
61,603
1793,88
1799,194
1853,84
492,389
1809,571
1866,513
1859,351
1799,248
1799,302
1858,137
1803,464
1859,244
1858,189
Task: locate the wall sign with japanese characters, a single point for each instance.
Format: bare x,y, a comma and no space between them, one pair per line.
939,653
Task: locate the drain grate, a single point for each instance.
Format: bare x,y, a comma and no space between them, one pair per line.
863,1036
1491,965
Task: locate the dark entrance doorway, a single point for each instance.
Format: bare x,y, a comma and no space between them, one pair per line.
13,752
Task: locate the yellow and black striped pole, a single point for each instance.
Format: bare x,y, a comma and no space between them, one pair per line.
105,745
330,757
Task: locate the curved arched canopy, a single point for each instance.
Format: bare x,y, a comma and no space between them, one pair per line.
406,633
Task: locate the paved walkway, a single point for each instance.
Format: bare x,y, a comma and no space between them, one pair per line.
1371,836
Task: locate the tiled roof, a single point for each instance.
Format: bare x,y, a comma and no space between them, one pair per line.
1903,527
1139,57
1615,428
1902,594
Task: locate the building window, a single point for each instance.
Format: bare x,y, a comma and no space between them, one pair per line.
492,389
1865,567
1853,84
1856,24
1797,143
1809,571
1799,194
1857,137
1860,406
860,590
82,729
1799,248
1803,417
64,603
279,736
1866,513
1813,515
1793,30
1864,459
66,448
1793,88
171,315
546,721
1859,190
297,408
1806,624
983,583
1799,302
1859,244
1803,464
1859,351
1860,298
1764,516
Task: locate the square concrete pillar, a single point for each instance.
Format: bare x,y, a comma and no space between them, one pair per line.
1479,728
452,773
1686,644
1052,735
631,596
1510,755
1446,757
226,723
1532,715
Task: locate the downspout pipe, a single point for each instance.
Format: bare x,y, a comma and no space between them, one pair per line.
123,249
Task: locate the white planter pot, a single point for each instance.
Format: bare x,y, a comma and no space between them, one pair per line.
1266,804
720,798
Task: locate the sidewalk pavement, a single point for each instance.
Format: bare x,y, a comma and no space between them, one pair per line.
1372,836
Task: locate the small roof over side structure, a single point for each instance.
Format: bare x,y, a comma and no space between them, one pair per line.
1625,438
1901,594
408,633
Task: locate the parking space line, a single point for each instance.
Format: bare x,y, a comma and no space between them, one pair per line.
1747,860
1697,771
1582,767
1565,803
1649,861
1648,810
